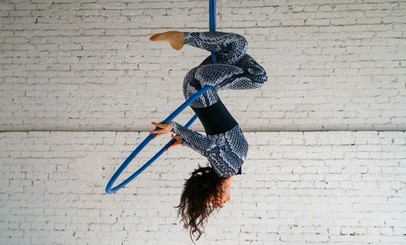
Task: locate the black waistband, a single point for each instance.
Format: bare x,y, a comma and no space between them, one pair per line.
216,119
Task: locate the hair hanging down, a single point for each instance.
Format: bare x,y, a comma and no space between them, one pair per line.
195,206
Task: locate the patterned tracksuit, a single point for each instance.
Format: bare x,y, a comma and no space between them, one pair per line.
226,152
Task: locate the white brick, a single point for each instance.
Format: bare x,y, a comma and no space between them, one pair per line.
70,181
89,65
356,36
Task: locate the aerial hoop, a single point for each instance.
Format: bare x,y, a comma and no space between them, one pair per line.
109,188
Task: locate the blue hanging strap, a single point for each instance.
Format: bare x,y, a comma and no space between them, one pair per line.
212,15
109,187
212,23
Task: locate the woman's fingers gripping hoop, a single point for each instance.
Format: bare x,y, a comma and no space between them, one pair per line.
178,142
161,129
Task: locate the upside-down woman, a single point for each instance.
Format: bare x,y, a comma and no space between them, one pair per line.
224,145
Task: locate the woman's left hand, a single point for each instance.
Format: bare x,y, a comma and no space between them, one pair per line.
164,128
178,142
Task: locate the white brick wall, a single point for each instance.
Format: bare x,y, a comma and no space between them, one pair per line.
297,188
333,65
88,66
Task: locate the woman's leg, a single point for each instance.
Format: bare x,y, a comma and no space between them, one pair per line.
221,76
229,48
191,86
235,70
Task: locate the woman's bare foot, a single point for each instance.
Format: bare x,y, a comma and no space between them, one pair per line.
174,38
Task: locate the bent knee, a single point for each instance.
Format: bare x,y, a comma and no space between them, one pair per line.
259,74
263,78
240,40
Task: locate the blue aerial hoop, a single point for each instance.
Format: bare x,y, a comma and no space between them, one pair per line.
109,188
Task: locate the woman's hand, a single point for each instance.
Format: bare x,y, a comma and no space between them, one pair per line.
164,129
178,140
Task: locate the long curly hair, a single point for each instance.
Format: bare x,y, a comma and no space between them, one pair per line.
199,191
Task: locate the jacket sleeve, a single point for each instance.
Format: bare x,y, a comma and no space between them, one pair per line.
224,162
194,140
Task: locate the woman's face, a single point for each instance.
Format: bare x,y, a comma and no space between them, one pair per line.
226,192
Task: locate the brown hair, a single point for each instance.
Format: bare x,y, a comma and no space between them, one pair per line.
203,186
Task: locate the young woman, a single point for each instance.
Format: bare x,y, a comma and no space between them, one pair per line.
224,146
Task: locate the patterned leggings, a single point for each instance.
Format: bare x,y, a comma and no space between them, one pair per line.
235,69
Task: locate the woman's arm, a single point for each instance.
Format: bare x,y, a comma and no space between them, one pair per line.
225,163
189,138
194,140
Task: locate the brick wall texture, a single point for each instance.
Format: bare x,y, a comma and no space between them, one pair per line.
88,65
297,188
80,83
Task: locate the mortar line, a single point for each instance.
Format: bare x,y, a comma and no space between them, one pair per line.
245,131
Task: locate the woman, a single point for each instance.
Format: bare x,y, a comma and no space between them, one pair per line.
224,146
